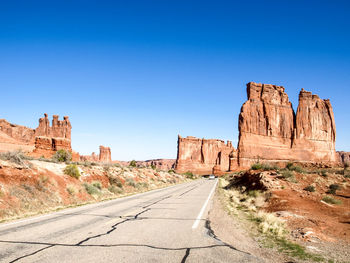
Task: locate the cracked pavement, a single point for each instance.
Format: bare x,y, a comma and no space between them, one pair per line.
155,226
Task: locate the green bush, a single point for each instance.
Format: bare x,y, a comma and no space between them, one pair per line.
289,176
71,189
114,180
72,170
171,171
310,188
62,156
115,189
16,157
324,173
97,184
331,200
292,167
153,167
131,182
90,189
132,163
189,175
256,166
333,189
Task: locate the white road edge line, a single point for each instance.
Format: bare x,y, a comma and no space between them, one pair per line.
196,223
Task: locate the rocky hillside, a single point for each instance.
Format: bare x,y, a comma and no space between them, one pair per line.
294,205
30,186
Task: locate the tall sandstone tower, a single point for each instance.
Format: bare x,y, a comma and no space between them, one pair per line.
270,131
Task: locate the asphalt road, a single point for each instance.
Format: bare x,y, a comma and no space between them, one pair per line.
165,225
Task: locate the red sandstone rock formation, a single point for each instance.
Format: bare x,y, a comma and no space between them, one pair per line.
161,164
344,157
19,134
199,156
105,154
90,158
270,131
59,129
266,124
314,139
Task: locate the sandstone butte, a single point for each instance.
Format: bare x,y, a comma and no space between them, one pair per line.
200,156
269,132
45,140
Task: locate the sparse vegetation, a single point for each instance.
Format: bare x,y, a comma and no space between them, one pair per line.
62,156
130,182
97,184
171,171
289,176
256,166
17,157
331,200
333,189
114,180
115,189
264,166
71,189
91,189
189,175
132,163
72,170
292,167
324,173
310,188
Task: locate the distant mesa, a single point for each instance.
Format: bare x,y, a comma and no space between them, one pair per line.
200,156
270,132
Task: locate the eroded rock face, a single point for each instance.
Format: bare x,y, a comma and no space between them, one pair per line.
59,129
47,146
344,158
270,131
105,154
266,124
315,131
19,134
199,156
160,164
90,158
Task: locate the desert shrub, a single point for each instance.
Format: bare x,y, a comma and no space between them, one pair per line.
333,189
141,185
131,182
324,173
62,156
292,167
289,176
171,171
132,163
91,189
268,167
72,170
331,200
16,157
153,167
97,184
189,175
256,166
71,189
310,188
115,189
114,180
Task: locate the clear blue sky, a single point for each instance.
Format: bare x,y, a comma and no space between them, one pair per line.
133,75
